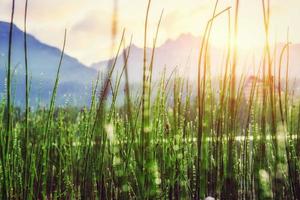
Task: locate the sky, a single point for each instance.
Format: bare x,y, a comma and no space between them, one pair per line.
88,22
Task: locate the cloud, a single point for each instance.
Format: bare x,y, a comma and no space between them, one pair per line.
94,22
91,32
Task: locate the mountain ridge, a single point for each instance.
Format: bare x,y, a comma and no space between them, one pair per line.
183,53
75,77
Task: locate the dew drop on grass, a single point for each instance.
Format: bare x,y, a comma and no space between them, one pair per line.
264,175
109,128
158,181
116,161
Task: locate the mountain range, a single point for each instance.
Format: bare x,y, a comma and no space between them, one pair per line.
76,79
183,53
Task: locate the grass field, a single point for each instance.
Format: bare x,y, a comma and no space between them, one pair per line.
169,144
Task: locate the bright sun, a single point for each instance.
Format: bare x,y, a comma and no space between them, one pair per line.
247,40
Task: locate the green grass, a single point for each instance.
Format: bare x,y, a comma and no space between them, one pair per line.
166,143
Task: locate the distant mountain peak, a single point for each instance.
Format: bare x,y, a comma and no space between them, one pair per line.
4,24
185,40
186,36
5,27
43,60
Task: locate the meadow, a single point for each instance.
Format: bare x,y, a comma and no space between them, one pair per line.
176,139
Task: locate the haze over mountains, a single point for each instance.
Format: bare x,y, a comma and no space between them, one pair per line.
76,79
182,54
